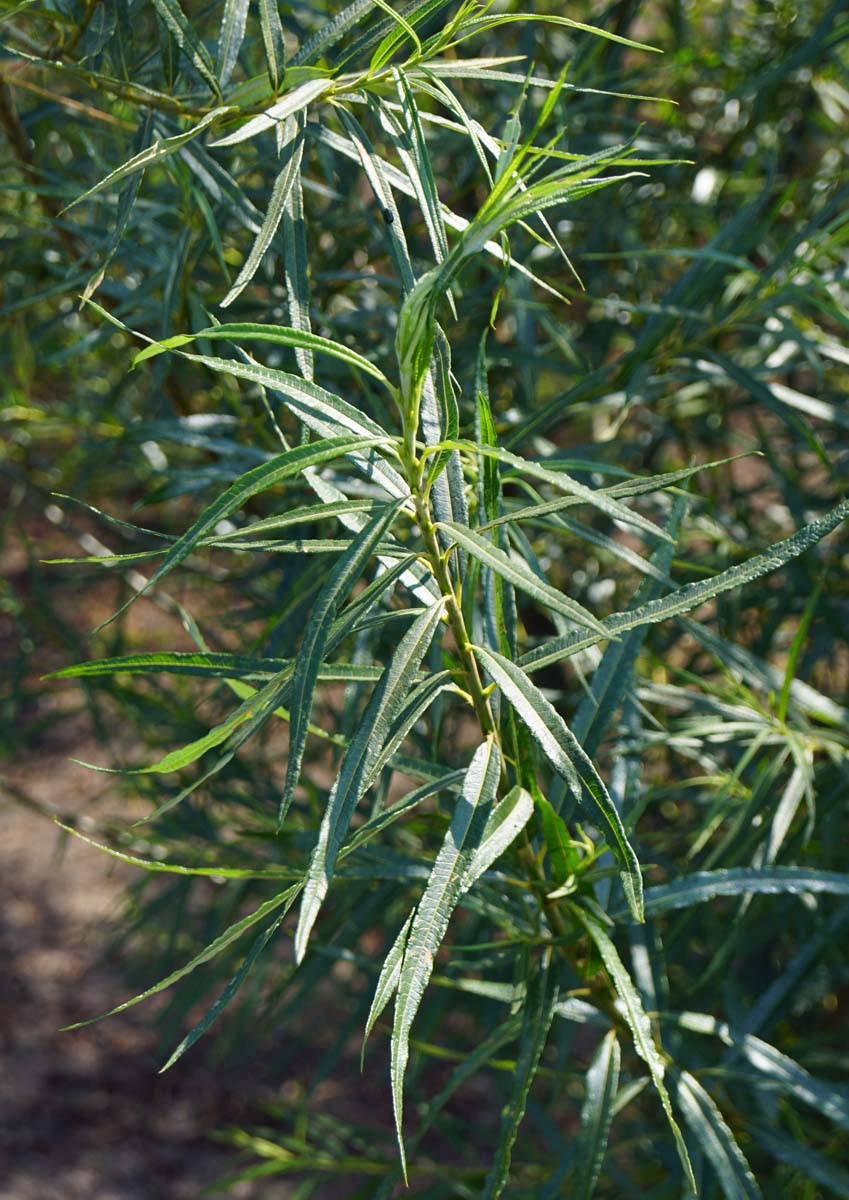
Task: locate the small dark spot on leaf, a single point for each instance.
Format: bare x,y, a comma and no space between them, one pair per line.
388,215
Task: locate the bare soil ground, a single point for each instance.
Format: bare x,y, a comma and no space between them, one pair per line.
84,1115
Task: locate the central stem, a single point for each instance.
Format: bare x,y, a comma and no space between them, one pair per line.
456,621
480,700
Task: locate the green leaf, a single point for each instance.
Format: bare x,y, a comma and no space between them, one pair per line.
691,595
517,573
506,821
571,763
230,37
278,335
715,1138
537,1015
215,872
614,675
602,1083
638,485
213,666
291,154
363,752
443,890
272,41
290,103
599,498
297,272
193,49
154,153
258,479
322,411
638,1023
808,1162
344,576
558,844
215,1010
743,881
387,982
214,948
330,33
773,1070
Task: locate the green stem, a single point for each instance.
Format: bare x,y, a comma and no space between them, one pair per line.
481,705
456,621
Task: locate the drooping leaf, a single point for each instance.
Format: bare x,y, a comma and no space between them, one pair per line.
602,1083
365,748
537,1015
291,154
700,886
214,948
516,572
272,41
230,37
280,335
715,1138
387,982
345,575
638,1023
215,1010
810,1163
775,1071
691,595
152,154
259,479
571,763
288,105
444,888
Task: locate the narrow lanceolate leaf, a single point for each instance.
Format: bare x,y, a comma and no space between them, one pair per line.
515,572
291,155
596,497
215,947
296,269
345,574
387,982
773,1070
743,881
330,33
193,49
277,335
166,868
809,1162
259,479
126,203
537,1015
154,153
325,413
561,748
443,890
293,102
505,823
614,675
597,1115
365,749
215,1010
638,1023
693,594
272,41
230,37
715,1139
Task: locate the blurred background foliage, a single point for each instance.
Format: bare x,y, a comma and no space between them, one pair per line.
710,320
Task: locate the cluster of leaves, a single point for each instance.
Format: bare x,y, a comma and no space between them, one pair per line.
605,749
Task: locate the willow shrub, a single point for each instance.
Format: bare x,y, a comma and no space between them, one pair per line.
499,646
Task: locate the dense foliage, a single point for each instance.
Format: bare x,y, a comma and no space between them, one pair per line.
489,405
